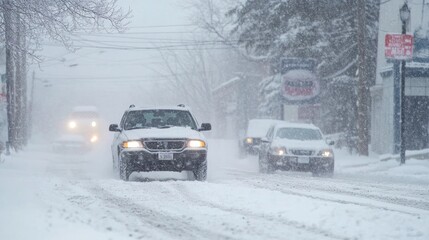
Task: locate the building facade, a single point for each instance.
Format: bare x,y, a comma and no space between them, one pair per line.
385,109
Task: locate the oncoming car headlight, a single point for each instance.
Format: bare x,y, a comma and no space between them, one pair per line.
132,144
249,140
196,144
93,124
327,153
94,139
72,124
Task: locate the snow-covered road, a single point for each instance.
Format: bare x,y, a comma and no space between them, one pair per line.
50,196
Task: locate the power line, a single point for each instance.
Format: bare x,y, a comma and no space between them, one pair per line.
151,26
163,26
55,78
140,33
127,48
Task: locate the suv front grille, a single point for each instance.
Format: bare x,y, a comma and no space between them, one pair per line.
164,145
302,152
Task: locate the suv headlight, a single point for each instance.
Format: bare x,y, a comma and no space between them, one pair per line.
132,144
327,153
249,140
196,144
279,151
93,124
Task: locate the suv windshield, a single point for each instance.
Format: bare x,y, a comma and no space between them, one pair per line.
158,119
299,134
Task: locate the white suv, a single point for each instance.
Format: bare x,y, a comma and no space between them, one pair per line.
159,139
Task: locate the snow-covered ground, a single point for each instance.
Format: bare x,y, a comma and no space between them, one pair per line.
49,196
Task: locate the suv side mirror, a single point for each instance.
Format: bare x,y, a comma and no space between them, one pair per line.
206,127
114,128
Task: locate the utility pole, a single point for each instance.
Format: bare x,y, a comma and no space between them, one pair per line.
404,13
363,88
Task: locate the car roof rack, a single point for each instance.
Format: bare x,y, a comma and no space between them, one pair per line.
132,106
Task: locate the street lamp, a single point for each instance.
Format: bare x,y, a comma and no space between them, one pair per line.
404,13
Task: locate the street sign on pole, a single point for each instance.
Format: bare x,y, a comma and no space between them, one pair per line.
398,46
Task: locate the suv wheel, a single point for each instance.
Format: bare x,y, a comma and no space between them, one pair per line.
200,173
124,172
270,167
114,166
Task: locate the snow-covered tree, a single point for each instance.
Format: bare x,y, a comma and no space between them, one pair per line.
23,23
325,30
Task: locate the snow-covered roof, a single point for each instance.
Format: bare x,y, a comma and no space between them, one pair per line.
417,65
296,125
409,65
227,83
183,108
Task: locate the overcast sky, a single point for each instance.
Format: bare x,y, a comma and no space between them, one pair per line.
99,74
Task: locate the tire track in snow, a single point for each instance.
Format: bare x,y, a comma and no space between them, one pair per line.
317,232
296,187
174,226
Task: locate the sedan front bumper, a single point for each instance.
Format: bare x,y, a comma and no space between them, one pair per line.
305,163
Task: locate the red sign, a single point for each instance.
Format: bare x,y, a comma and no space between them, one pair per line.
399,46
300,85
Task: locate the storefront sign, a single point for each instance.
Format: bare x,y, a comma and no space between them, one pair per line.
300,85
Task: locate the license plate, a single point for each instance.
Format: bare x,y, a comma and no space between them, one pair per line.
165,156
303,160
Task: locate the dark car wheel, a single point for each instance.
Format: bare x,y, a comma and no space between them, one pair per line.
200,173
323,171
264,164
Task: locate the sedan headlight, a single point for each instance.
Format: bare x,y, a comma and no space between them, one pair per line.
196,144
327,153
249,140
132,144
279,151
72,124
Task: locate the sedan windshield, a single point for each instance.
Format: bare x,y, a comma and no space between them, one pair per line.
302,134
158,119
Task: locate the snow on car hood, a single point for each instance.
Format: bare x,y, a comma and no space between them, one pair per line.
297,144
173,132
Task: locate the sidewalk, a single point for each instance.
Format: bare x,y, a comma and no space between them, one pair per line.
414,169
